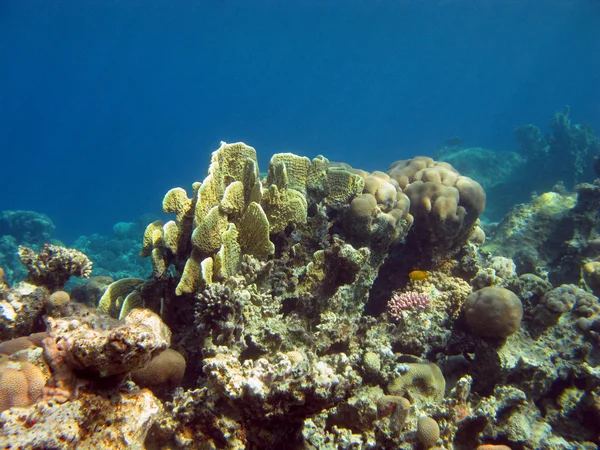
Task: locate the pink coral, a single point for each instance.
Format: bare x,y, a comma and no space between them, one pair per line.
407,301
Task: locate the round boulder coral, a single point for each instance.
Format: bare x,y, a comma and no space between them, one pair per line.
493,312
21,384
428,432
164,370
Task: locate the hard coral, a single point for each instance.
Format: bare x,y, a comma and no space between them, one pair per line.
27,227
428,432
445,205
419,380
407,301
493,312
54,265
113,351
21,308
165,370
21,383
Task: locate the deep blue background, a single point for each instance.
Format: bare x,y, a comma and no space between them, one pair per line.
105,105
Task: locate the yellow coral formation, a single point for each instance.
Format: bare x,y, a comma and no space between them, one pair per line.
419,379
149,237
207,235
171,235
342,184
233,199
112,300
229,160
317,175
283,207
132,301
228,260
191,278
208,196
293,174
254,232
176,201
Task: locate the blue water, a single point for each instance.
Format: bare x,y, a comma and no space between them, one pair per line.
105,105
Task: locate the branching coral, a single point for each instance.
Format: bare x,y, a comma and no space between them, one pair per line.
54,265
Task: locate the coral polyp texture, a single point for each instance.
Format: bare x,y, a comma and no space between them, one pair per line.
407,301
317,306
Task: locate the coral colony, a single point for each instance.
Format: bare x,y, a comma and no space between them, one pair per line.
407,301
268,316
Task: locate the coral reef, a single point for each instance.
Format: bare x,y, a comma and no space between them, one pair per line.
117,256
27,227
495,170
319,306
565,154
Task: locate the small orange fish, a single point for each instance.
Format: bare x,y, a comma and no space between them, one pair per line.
418,275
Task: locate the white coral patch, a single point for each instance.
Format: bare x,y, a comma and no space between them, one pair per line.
7,311
255,386
325,375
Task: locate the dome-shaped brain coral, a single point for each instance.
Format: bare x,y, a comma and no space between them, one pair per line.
428,432
493,312
164,370
21,383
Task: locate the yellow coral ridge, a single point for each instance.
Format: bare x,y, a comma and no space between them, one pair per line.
190,278
132,301
254,232
283,207
207,235
171,236
295,169
342,185
317,174
209,195
112,299
159,265
207,270
176,201
424,378
229,259
233,198
252,185
229,160
149,238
